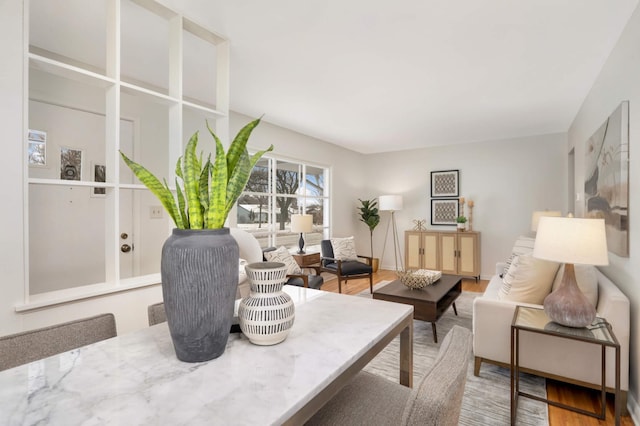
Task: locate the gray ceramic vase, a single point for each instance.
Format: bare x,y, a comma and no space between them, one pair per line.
199,282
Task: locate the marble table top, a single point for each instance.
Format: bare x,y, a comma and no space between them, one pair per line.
136,379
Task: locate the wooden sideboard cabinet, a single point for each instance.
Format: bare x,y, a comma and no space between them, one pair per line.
451,252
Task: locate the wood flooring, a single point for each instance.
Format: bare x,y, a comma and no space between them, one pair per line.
587,399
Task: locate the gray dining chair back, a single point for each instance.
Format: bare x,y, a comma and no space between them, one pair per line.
156,313
436,400
28,346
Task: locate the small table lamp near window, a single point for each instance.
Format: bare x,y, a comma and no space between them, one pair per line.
571,240
301,223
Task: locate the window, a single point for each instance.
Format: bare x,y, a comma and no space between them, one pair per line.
278,189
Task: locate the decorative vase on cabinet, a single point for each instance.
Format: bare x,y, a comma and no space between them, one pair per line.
267,314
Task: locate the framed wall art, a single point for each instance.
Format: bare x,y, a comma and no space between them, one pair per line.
70,164
606,186
99,172
444,211
37,148
445,183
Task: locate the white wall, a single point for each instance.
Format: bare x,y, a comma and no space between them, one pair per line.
619,81
11,163
506,179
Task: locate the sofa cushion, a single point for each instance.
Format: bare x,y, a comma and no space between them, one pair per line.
587,279
344,248
282,255
523,245
528,280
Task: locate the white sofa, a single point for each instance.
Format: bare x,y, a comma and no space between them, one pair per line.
548,356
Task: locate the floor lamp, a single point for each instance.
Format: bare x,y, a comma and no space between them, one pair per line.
391,203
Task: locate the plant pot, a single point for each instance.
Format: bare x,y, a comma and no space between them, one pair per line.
266,315
375,264
199,272
461,227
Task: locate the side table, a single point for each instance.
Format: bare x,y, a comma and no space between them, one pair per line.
307,259
535,320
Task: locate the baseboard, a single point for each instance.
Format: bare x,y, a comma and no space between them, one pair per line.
633,407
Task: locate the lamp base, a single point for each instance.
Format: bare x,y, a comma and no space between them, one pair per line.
301,245
567,305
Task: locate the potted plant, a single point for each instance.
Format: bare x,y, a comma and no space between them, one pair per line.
369,215
461,221
199,264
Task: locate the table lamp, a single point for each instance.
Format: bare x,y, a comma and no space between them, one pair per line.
301,223
391,203
570,240
535,217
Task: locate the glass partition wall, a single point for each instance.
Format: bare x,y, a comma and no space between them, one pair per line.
121,75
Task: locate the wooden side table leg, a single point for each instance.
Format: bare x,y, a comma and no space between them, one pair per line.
435,333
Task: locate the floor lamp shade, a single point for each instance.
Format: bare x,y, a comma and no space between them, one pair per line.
301,223
571,240
390,202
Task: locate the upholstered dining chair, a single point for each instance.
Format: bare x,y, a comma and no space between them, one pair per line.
156,313
344,269
436,400
28,346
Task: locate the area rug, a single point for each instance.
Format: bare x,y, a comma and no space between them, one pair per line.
486,398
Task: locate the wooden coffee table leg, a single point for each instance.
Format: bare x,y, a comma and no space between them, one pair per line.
435,333
455,311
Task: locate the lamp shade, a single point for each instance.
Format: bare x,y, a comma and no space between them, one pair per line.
535,217
390,202
571,240
301,223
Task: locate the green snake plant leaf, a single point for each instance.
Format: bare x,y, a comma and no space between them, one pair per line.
239,145
204,191
179,168
182,204
155,186
217,212
240,176
191,174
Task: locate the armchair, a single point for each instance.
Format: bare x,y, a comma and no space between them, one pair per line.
344,269
301,279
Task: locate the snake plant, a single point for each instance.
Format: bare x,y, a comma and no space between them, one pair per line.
205,193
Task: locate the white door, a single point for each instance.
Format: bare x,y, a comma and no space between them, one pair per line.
127,225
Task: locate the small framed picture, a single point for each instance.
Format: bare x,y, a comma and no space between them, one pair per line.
37,140
444,183
70,164
99,174
444,211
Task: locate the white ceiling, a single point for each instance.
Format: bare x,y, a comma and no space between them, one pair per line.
376,75
380,75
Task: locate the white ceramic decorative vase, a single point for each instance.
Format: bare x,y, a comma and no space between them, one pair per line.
267,314
461,227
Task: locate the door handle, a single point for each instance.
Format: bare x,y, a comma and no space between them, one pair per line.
126,248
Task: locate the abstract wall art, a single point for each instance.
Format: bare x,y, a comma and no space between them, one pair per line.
606,185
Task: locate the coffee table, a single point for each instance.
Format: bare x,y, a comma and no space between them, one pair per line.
429,303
